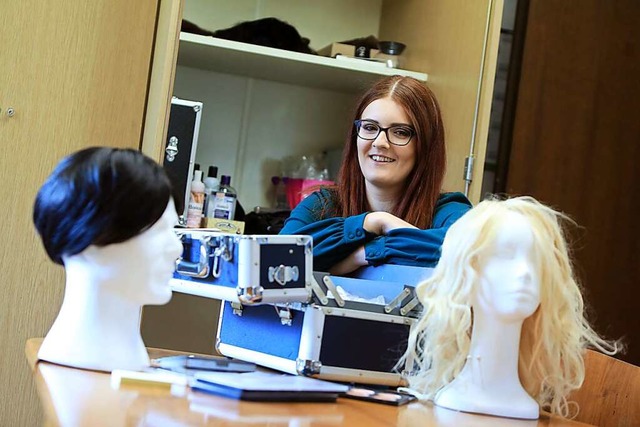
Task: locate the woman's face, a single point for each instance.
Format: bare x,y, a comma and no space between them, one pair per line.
509,288
386,166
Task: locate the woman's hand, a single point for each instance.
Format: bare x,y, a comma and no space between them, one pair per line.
382,222
351,263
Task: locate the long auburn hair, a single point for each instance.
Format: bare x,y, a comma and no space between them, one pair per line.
425,180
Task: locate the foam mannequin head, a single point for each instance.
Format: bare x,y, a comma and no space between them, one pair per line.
503,330
112,229
508,288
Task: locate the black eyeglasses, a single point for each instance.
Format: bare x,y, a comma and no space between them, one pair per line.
399,135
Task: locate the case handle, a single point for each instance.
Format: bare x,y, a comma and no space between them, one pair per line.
283,274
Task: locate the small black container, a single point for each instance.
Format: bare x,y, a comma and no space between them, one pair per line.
391,47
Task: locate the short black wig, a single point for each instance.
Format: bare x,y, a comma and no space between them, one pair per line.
99,196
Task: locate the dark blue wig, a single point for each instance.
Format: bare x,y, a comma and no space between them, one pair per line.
99,196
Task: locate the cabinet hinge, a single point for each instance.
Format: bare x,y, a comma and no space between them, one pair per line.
468,169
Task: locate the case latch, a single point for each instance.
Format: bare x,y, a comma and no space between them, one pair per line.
237,308
285,315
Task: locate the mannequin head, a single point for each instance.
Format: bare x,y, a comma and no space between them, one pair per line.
107,215
507,259
508,288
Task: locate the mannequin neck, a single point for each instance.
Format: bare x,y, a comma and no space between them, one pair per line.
493,351
88,298
489,382
96,327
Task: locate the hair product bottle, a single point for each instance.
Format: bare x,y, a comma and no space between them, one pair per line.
211,187
225,199
196,201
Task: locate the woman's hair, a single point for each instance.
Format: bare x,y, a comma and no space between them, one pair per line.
425,180
99,196
553,339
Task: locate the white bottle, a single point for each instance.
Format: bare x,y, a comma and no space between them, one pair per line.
211,186
196,201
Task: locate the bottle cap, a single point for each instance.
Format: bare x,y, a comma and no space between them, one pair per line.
213,172
225,180
196,167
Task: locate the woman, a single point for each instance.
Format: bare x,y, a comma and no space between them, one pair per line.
503,330
107,215
386,206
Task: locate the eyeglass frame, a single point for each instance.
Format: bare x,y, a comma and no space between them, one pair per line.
358,124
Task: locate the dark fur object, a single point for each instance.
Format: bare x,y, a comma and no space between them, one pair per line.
270,32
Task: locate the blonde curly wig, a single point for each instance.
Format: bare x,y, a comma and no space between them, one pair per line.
553,339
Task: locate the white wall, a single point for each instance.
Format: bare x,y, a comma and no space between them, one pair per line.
248,126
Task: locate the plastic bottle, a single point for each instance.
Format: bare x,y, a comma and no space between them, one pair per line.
224,202
196,201
211,186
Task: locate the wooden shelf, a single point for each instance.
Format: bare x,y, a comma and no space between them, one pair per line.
230,57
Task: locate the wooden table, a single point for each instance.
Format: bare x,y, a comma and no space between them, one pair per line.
76,397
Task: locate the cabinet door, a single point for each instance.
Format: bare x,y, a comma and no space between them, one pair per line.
76,74
456,43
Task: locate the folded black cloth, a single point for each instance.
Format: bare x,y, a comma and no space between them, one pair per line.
270,32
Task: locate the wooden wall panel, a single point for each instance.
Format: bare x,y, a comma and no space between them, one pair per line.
444,39
576,142
76,73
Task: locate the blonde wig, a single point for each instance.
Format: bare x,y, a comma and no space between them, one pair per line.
553,339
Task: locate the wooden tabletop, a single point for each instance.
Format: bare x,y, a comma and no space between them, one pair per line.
76,397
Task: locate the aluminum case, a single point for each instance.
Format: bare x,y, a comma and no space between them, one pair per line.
280,314
244,269
180,147
328,338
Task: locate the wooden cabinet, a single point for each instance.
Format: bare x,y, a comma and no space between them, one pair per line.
262,104
76,74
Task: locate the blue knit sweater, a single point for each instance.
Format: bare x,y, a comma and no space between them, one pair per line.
334,238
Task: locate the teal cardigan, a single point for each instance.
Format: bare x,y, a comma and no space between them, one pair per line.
334,238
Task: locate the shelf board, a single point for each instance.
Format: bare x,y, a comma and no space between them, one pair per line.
230,57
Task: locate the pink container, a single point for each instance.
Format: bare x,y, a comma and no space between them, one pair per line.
299,188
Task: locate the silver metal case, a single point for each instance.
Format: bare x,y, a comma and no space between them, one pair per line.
180,147
330,338
244,269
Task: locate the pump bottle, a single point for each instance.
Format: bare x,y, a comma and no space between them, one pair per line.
211,187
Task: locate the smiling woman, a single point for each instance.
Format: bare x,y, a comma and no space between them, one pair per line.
387,206
107,215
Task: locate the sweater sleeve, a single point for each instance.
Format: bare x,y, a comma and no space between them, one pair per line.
333,238
409,246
